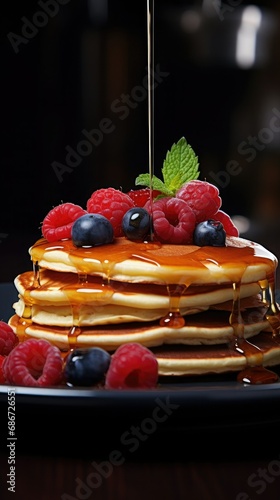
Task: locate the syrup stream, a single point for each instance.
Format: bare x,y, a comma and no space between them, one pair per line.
150,48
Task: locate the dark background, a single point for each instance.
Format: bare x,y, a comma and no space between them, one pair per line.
63,68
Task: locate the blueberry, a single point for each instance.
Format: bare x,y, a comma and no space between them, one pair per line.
86,367
92,230
136,223
209,232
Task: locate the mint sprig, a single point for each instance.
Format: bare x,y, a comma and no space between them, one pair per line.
180,166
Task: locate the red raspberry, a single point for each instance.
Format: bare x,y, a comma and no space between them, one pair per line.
8,339
173,221
34,363
2,378
58,222
229,227
112,204
132,366
202,197
141,196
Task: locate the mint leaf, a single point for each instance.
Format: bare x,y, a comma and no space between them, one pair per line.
180,166
144,180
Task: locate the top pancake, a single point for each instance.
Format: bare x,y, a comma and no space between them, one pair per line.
240,261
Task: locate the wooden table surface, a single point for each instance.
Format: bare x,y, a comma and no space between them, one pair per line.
53,478
63,459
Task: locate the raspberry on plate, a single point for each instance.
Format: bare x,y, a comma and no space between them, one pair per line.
34,362
8,339
112,204
202,196
2,377
132,366
173,221
57,224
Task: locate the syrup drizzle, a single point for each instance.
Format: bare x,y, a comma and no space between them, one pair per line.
174,318
151,122
254,372
273,312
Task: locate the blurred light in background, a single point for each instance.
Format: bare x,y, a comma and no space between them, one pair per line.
242,223
191,20
247,33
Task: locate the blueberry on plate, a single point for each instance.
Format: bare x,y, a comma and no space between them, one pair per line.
209,233
86,366
136,223
92,230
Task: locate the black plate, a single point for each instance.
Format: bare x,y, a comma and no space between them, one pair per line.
206,410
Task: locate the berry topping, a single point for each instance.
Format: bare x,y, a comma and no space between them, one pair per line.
34,363
112,204
136,223
209,233
202,197
132,366
141,196
2,377
86,367
58,222
229,227
173,221
8,339
92,230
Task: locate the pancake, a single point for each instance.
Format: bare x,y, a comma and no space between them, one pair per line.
189,304
180,361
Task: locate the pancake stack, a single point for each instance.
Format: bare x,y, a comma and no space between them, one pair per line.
201,310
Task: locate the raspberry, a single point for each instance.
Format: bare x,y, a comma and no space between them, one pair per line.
34,363
132,366
141,196
229,227
112,204
2,377
8,339
202,197
58,222
173,221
